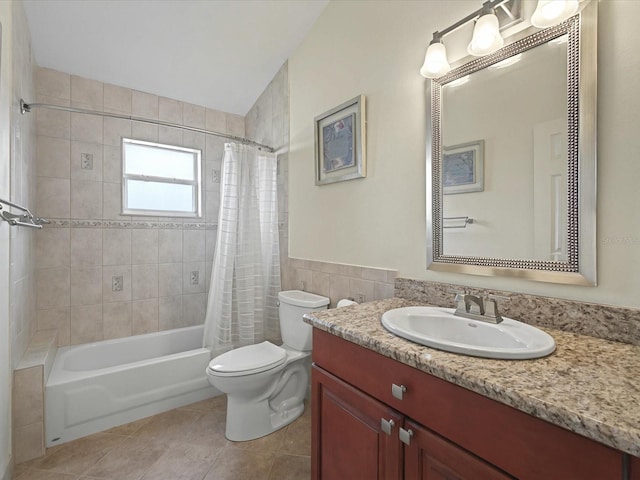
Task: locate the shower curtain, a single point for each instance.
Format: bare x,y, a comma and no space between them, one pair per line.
245,279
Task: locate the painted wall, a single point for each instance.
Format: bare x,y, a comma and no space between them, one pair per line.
5,329
376,49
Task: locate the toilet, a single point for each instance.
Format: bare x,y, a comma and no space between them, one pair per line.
266,384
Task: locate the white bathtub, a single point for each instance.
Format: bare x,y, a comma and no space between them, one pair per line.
96,386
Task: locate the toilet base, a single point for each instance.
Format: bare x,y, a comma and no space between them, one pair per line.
251,420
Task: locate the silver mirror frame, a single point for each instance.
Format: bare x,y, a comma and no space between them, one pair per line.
580,268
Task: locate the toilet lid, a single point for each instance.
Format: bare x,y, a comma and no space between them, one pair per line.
250,359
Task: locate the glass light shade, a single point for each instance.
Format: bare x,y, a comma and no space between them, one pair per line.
551,12
486,36
435,61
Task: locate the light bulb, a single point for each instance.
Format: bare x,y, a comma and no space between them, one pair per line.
486,36
551,12
435,61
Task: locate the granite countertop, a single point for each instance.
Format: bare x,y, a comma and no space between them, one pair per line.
588,385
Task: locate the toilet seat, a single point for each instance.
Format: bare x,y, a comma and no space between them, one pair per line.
248,360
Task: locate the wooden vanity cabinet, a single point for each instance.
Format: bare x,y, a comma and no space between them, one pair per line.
634,467
457,434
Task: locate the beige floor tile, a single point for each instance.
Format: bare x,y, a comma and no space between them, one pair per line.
297,438
207,431
218,403
290,467
78,456
269,443
31,474
129,460
239,463
169,425
129,428
184,462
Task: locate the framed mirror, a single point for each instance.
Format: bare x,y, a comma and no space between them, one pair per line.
511,159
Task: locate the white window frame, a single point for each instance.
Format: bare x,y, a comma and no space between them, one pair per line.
196,212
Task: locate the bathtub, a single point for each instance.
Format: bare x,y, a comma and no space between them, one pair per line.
96,386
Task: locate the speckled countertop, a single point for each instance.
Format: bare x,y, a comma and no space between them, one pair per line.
588,385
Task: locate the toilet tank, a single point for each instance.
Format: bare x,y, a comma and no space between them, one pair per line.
293,304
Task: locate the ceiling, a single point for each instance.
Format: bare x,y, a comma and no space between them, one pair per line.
220,54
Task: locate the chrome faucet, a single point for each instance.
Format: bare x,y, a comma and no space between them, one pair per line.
475,307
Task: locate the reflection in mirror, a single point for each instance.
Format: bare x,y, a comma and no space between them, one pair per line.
511,159
524,138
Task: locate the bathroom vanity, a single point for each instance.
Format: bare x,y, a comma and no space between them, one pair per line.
387,408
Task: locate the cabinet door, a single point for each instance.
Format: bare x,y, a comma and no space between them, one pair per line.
430,457
634,464
347,439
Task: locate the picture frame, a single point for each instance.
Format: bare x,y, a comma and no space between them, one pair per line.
340,143
463,168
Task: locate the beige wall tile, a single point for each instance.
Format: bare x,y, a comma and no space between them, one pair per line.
53,287
116,319
86,324
144,131
188,269
193,115
212,206
193,249
53,123
169,279
86,128
86,285
144,105
108,272
320,283
145,316
116,244
117,99
170,110
194,140
53,197
339,288
53,157
112,164
53,83
144,281
87,92
86,199
374,274
28,442
28,396
58,318
169,246
86,247
303,279
52,247
382,291
112,201
144,246
193,308
359,287
215,120
115,129
77,171
170,312
235,125
170,136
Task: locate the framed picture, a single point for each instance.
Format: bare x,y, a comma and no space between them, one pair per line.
463,168
340,143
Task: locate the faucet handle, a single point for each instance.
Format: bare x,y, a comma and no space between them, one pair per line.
491,306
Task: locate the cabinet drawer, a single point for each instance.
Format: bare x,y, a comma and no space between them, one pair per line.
522,445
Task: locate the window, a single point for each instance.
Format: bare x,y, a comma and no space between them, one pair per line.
160,180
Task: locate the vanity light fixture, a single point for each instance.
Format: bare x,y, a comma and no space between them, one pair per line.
486,35
552,12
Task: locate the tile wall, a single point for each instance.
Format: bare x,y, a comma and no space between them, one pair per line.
89,242
268,122
23,191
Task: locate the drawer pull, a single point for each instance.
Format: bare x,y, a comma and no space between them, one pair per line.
405,436
386,425
398,391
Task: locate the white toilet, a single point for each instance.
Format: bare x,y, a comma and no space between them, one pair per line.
266,384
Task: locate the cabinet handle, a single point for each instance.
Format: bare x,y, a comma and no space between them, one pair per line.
386,425
405,436
398,390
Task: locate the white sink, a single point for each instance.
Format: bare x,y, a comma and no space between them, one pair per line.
438,328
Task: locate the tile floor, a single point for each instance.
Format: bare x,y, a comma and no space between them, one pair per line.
183,444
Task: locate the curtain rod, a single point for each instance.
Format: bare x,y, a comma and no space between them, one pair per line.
26,107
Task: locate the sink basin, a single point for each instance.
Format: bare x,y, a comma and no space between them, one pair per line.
438,328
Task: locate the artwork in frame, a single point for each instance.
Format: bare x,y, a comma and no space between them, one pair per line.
463,168
340,143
